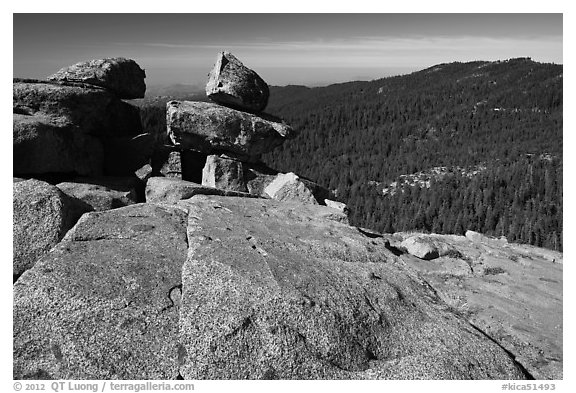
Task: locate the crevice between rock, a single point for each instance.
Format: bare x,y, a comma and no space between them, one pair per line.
523,369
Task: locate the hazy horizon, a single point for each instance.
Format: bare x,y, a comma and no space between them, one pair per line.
303,49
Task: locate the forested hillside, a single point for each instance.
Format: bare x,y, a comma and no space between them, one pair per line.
359,137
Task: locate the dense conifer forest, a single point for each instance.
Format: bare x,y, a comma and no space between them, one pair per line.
356,138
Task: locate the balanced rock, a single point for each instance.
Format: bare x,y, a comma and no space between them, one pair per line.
42,216
46,144
275,291
104,303
225,173
232,84
212,128
123,77
421,247
289,187
91,110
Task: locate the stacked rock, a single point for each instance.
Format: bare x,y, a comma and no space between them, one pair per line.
74,131
77,123
233,132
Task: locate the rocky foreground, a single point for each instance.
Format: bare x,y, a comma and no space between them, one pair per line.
219,287
183,256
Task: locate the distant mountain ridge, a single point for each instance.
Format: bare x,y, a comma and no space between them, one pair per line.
354,135
177,89
448,115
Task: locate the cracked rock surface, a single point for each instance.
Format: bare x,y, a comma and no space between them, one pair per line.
103,304
274,291
216,287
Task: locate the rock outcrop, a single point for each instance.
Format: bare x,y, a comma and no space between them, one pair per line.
511,292
42,216
271,290
123,77
68,126
232,84
104,303
233,134
60,128
257,289
92,110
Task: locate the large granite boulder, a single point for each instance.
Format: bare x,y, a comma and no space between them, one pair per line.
99,195
171,190
90,109
104,303
121,76
46,144
274,291
211,128
233,84
42,216
225,173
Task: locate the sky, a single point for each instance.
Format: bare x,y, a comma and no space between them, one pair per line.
310,49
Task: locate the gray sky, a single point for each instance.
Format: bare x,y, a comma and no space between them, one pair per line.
282,48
